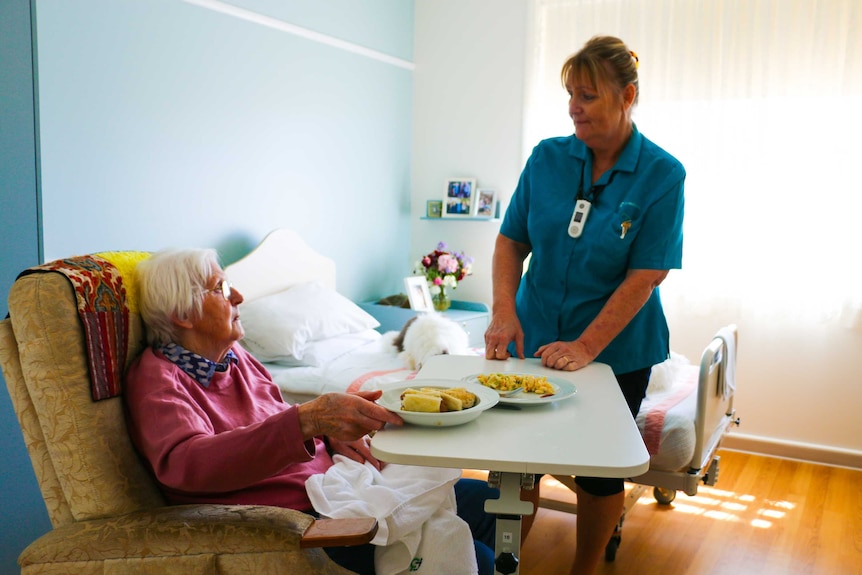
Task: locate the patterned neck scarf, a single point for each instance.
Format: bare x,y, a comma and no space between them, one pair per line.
199,368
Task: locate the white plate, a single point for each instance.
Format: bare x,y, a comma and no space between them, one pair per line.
486,398
563,388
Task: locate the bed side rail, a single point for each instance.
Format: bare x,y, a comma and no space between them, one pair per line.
715,413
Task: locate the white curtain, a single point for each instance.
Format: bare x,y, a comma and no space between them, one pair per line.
761,100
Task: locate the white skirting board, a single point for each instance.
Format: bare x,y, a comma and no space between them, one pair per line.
824,455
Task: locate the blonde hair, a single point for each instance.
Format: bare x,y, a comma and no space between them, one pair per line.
607,62
171,284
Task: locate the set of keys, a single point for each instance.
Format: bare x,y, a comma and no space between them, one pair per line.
625,228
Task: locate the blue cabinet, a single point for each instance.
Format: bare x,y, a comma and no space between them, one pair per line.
473,317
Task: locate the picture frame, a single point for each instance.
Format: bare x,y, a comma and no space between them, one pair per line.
418,293
459,198
434,208
486,204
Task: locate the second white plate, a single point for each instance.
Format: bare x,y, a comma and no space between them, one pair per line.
563,388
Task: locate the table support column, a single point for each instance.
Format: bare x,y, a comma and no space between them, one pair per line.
509,508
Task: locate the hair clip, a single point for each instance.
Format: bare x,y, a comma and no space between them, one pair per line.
635,56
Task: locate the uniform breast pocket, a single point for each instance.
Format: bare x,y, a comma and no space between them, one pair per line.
625,218
614,242
614,239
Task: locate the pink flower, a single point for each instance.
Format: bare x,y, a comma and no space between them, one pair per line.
447,264
442,268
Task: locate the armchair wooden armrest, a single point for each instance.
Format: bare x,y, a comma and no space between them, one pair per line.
339,532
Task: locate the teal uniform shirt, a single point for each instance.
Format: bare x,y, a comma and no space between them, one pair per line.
569,280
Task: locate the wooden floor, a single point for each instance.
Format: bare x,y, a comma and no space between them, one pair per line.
764,516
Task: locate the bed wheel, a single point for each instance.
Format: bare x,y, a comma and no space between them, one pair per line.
663,495
611,548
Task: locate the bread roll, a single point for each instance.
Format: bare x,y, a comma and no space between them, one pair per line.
450,402
421,402
468,398
434,400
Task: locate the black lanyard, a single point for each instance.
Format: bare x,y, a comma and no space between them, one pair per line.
595,190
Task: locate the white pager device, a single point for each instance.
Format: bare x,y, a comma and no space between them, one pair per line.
579,218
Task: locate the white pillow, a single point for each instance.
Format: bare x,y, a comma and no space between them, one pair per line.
325,351
279,327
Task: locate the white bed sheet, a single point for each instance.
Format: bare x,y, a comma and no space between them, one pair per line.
667,414
367,366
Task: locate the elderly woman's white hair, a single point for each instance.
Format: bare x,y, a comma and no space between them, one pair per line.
171,284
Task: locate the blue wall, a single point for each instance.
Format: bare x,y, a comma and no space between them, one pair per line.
162,123
22,512
165,123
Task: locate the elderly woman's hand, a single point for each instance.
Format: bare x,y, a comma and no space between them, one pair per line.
344,417
359,450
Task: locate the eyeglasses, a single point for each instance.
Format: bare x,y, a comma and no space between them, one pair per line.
223,287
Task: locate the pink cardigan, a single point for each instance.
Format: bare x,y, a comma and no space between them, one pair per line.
235,442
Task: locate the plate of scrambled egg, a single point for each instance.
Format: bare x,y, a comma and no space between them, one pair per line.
438,402
534,389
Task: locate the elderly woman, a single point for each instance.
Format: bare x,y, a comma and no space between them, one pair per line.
600,213
212,425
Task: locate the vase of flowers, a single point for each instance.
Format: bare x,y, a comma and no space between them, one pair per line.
441,300
443,269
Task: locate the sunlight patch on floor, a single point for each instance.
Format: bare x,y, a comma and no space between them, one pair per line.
716,504
723,505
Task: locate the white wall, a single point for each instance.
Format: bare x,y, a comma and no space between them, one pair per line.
798,394
467,118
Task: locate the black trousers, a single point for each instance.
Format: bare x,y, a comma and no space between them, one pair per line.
633,385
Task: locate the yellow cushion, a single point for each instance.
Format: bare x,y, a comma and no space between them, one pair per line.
126,262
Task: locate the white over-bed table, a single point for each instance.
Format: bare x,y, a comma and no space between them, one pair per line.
591,433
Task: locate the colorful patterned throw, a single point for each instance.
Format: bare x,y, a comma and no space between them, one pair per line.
101,297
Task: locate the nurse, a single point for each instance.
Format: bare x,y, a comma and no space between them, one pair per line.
600,214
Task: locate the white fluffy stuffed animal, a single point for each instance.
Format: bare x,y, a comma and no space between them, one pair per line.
427,335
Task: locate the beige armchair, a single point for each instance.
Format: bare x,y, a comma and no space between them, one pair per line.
107,514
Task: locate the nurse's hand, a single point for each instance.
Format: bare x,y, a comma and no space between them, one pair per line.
503,329
565,355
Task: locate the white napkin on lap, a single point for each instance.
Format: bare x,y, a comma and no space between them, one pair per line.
419,530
